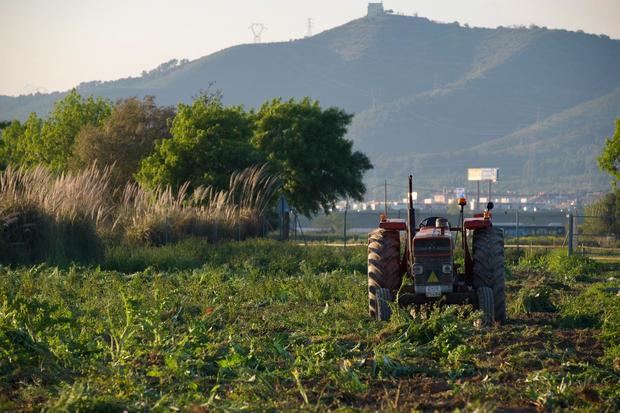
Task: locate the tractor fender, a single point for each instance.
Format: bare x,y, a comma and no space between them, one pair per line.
476,223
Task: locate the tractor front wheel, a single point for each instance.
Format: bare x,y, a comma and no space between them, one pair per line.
486,303
383,297
383,266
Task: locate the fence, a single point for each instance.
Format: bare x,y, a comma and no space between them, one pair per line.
592,236
586,235
524,230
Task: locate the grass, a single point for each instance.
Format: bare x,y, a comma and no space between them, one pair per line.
70,217
265,326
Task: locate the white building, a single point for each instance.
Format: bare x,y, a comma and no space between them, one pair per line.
375,9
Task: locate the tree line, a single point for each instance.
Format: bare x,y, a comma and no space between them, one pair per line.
203,142
603,216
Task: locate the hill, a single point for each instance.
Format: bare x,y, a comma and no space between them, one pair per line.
424,94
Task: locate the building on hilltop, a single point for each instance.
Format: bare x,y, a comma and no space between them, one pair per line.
375,9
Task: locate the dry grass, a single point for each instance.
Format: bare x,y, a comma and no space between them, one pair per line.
40,210
161,216
70,197
45,217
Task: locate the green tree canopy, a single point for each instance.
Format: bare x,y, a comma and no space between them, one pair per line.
609,160
209,142
9,144
306,146
60,130
125,138
50,142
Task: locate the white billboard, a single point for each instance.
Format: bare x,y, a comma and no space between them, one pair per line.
483,174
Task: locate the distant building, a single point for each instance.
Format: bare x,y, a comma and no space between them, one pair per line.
375,9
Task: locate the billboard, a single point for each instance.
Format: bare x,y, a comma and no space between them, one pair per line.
483,174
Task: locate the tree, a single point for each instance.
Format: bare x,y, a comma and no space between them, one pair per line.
125,138
306,146
209,142
609,160
9,137
50,142
603,216
60,130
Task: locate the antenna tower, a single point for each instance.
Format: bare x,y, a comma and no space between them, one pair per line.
309,27
257,30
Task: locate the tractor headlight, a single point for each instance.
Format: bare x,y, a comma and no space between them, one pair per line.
418,269
447,268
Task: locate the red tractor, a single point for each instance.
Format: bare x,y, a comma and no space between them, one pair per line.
428,259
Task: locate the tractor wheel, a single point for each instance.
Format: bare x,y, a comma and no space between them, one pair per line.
383,265
383,297
488,251
486,304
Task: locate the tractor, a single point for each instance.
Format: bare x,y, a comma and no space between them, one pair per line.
428,260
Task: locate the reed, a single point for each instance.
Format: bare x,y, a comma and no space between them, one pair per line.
161,216
57,218
48,217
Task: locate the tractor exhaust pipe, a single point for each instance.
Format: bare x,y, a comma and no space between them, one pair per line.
411,222
410,210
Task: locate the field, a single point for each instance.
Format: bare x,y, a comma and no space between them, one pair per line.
265,326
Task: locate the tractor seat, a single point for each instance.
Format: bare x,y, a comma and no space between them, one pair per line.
430,222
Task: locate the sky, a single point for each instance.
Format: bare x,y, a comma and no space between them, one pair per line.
51,45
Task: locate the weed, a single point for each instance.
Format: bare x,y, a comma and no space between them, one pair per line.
570,269
536,298
549,391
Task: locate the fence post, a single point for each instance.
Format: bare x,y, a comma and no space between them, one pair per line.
571,229
346,209
517,219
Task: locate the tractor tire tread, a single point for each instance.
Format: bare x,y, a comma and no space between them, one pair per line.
383,265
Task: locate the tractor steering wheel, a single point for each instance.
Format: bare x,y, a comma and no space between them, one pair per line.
428,222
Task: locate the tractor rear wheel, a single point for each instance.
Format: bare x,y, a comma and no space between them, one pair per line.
486,304
488,251
383,265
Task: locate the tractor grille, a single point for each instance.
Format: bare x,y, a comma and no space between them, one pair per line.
429,271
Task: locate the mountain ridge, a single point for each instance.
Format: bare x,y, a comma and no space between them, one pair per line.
417,87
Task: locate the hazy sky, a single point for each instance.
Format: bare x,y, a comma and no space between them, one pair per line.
50,45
